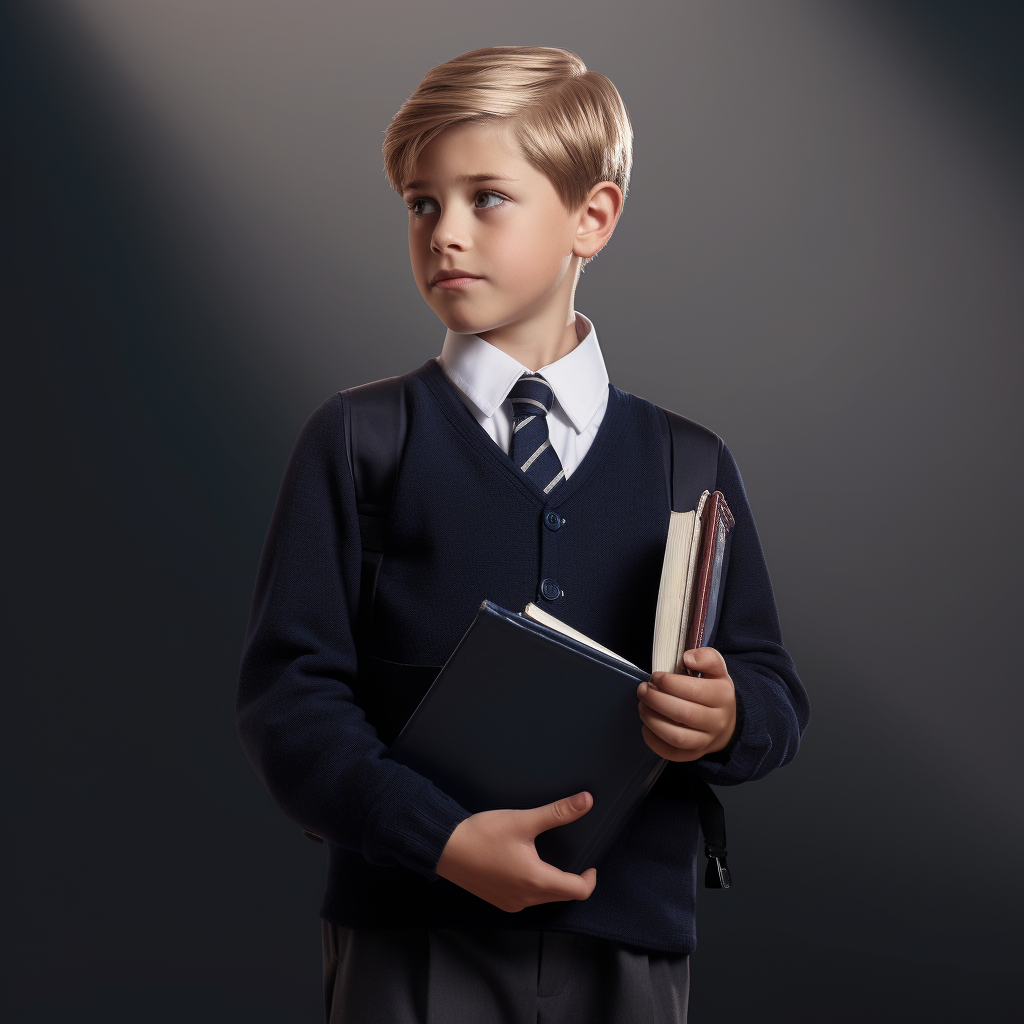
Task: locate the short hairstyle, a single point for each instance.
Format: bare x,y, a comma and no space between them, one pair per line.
571,123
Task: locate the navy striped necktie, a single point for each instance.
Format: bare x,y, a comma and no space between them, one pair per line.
531,398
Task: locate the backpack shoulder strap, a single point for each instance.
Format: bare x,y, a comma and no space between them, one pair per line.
692,460
375,427
375,431
691,457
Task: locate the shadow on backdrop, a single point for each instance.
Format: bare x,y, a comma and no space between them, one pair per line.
142,458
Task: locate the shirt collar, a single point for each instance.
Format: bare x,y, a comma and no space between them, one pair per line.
485,374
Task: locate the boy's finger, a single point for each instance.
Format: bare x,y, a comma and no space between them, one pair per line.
681,711
677,736
666,750
705,660
711,691
558,812
564,885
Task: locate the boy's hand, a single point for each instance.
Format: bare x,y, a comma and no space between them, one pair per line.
492,855
686,717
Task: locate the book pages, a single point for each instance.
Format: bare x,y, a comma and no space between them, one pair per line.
676,583
690,586
532,611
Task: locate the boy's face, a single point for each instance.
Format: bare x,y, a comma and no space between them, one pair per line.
477,205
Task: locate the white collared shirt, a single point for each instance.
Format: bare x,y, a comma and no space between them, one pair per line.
483,375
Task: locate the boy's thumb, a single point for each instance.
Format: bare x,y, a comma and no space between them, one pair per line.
561,812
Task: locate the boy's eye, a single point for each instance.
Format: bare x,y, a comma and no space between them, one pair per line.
488,196
417,206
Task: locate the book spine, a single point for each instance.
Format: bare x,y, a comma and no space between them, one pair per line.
639,785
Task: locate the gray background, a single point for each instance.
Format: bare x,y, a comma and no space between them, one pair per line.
820,258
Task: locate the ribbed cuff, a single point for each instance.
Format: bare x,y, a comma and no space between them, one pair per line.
411,828
745,752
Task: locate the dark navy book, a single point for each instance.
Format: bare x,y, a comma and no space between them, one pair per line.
523,714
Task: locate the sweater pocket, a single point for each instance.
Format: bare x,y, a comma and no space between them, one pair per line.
390,691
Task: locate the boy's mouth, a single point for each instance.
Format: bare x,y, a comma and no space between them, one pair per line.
454,278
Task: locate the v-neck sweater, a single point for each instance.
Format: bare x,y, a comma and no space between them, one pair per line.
317,710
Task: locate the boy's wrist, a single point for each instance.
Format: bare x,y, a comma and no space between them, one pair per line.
722,755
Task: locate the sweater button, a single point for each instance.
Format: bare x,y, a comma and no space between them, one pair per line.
552,520
551,590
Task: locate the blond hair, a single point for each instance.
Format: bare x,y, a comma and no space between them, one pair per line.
571,123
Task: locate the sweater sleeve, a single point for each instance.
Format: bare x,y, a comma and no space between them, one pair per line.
299,724
772,705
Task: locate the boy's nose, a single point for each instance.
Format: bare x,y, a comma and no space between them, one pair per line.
450,233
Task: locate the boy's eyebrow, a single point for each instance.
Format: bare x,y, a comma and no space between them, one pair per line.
464,179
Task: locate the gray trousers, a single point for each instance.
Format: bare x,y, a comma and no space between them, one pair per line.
497,976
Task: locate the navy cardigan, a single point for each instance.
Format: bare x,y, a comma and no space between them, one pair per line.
316,711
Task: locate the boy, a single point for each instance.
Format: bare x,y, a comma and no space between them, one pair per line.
525,476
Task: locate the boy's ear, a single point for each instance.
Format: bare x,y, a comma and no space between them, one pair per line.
598,216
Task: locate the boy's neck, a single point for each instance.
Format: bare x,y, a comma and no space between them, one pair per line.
538,341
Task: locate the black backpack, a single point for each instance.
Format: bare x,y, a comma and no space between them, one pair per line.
375,430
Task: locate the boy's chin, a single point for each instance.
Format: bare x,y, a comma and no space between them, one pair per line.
464,325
